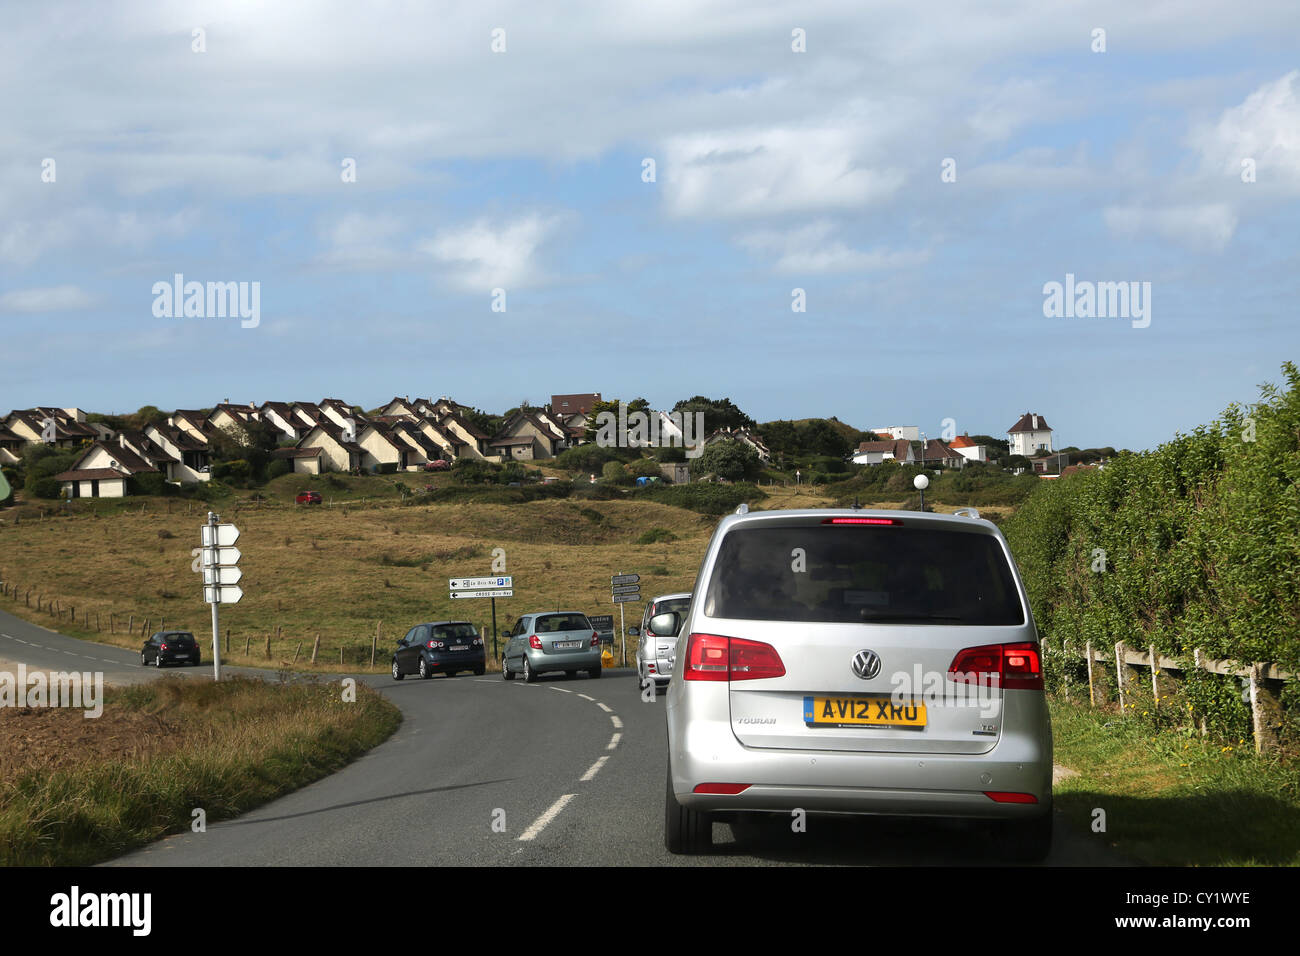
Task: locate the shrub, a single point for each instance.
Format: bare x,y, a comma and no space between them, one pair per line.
235,473
655,535
278,467
387,468
44,487
709,499
614,474
469,471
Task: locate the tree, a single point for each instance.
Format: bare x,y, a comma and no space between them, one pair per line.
718,413
593,423
728,458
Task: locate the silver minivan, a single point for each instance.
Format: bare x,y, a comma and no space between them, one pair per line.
859,662
654,651
552,641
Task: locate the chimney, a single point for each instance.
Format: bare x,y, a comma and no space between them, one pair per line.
1035,422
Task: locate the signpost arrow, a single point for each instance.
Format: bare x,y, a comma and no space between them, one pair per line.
625,598
624,579
627,589
223,594
222,575
478,584
494,593
213,557
225,535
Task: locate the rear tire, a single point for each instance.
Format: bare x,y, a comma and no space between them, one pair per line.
397,670
143,662
1024,841
530,675
425,673
505,671
686,831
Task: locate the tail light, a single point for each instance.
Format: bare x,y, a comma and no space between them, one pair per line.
535,642
163,648
435,645
595,638
712,657
1011,666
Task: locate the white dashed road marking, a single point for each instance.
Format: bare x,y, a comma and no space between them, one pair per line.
593,770
585,697
562,690
617,723
552,812
607,709
613,741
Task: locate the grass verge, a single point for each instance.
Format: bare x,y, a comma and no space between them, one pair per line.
1176,799
74,791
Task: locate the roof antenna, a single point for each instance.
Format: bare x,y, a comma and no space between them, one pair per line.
856,506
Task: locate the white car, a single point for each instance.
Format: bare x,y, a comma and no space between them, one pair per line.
655,651
859,662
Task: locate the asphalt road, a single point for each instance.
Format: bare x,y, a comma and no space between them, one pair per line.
494,773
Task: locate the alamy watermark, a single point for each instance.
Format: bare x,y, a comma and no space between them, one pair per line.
963,689
655,429
1098,300
53,689
211,300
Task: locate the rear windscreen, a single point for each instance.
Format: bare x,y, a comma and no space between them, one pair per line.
462,631
562,622
680,605
856,574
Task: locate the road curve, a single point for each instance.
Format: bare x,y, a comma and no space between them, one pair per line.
501,773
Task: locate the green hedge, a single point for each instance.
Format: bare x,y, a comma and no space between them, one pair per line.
706,498
1196,544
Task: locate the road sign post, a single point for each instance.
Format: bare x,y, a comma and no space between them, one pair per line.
220,576
624,588
503,585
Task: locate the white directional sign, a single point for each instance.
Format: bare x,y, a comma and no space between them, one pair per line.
222,575
625,598
223,594
227,535
220,556
479,584
617,579
493,593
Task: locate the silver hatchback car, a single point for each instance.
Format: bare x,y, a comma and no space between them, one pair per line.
654,652
859,662
549,642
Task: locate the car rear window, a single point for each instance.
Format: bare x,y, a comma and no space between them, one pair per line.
460,631
178,638
863,574
680,605
562,622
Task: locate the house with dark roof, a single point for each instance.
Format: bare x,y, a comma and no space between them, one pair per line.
528,436
1030,435
102,471
334,451
474,442
935,452
190,456
875,452
11,447
33,425
742,435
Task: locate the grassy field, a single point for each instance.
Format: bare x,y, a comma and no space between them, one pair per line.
359,565
74,792
1175,799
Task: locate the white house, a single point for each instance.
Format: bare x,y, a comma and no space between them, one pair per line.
875,452
963,446
897,432
1030,436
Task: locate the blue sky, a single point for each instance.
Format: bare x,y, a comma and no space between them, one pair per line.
775,170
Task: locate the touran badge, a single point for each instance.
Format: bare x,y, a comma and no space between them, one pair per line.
866,664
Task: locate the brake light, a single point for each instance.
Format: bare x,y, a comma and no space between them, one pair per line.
712,657
595,638
164,647
861,521
1011,666
727,788
535,642
1006,796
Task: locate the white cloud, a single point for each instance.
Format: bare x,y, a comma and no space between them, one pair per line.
1199,225
1265,128
361,240
813,249
484,255
765,172
61,298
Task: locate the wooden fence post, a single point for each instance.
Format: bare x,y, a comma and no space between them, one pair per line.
1196,658
1092,689
374,643
227,640
1122,674
268,646
1155,669
248,643
1065,667
130,625
315,648
297,650
1265,710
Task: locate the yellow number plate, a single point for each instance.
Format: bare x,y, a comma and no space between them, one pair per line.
863,712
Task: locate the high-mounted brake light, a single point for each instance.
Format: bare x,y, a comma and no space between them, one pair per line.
713,657
861,521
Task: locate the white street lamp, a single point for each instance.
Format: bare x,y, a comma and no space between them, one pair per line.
920,483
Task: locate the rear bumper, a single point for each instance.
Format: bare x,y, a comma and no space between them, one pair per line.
579,660
460,661
912,784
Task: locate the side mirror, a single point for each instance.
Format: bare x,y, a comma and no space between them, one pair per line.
666,624
634,631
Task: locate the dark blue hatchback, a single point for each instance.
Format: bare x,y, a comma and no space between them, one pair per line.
439,647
